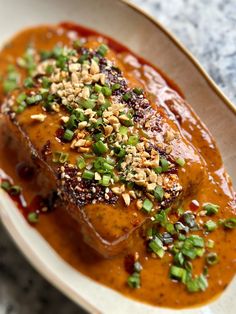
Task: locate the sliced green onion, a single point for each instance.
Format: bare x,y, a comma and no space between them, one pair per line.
133,140
158,169
127,96
11,82
105,180
68,135
46,82
88,156
159,193
88,103
5,185
123,130
211,209
79,114
180,211
72,122
164,164
210,225
157,247
134,280
100,148
45,55
49,68
180,161
115,87
77,43
97,88
80,162
33,217
60,157
28,82
179,258
197,284
12,189
87,174
102,50
196,240
83,58
229,223
138,91
106,91
147,205
34,99
177,272
212,258
210,244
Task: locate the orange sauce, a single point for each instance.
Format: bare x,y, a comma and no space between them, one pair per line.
62,232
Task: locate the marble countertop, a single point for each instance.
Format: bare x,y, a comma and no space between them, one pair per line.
207,29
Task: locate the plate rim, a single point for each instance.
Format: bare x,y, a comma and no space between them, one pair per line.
78,299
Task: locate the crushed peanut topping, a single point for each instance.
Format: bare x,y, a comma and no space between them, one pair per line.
123,144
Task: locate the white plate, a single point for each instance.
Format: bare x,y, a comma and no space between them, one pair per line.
129,26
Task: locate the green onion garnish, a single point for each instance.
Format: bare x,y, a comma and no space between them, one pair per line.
102,50
157,247
80,162
134,280
12,189
105,180
33,217
72,122
28,82
159,193
133,140
34,99
147,205
177,272
123,130
212,258
115,87
164,164
60,157
106,91
88,103
87,174
197,284
100,148
127,96
97,88
158,169
229,223
211,209
180,161
138,91
210,225
68,135
210,244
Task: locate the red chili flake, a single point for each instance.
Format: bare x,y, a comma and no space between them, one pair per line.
194,205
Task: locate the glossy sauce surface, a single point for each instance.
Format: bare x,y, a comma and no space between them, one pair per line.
57,228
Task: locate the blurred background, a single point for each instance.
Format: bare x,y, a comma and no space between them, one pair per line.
207,29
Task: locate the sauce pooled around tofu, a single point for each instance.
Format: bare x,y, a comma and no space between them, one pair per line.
111,165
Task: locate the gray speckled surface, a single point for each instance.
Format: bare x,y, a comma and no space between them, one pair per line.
207,28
